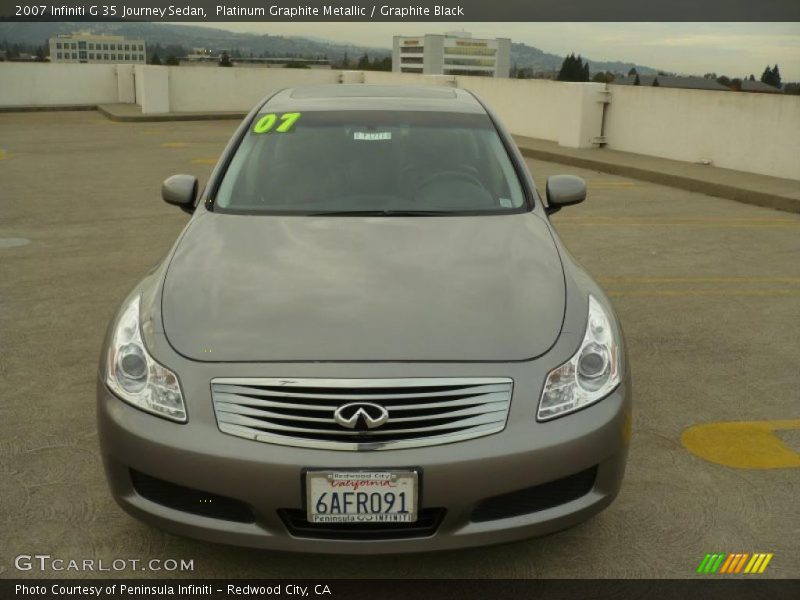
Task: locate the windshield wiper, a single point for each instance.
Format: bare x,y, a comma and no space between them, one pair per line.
382,213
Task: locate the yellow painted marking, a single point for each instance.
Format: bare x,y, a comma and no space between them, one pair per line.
174,145
205,161
709,219
756,565
751,563
709,292
764,564
699,279
708,225
743,444
4,155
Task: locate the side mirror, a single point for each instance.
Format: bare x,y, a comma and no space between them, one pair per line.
563,190
180,190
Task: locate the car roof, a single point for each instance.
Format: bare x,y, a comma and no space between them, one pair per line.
361,96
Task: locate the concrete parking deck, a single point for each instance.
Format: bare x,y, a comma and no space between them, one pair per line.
708,291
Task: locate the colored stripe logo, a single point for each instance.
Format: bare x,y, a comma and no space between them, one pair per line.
741,562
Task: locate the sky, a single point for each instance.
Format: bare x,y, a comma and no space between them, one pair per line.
733,49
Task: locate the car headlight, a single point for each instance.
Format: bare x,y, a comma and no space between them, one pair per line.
133,375
590,375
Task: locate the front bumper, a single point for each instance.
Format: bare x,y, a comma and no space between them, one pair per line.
457,477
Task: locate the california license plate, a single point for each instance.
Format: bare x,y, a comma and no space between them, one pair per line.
361,496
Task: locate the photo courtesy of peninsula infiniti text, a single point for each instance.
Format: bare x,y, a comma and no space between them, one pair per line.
368,338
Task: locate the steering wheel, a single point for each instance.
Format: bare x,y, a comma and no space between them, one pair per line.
460,175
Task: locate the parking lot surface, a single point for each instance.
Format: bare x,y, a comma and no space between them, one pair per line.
708,291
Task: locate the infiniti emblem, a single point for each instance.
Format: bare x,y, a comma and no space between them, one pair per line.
361,415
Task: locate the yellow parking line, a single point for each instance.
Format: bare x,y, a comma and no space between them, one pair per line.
5,155
698,279
174,145
720,225
743,444
708,292
205,161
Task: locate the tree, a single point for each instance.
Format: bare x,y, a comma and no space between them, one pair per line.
345,61
172,61
225,60
776,77
752,77
632,71
573,69
655,82
736,84
154,60
40,54
636,81
772,76
363,62
723,80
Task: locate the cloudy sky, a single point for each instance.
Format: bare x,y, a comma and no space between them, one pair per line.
734,49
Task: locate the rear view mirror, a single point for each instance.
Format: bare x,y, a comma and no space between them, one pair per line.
563,190
180,190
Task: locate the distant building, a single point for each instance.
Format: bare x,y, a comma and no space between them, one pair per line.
452,53
673,81
88,48
759,87
205,59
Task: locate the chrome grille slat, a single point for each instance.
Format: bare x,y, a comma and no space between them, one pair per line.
257,391
422,412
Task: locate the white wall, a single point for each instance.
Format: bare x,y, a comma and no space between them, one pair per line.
757,133
40,84
748,132
529,107
234,89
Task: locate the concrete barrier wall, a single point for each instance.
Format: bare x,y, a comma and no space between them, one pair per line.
757,133
527,107
38,84
234,89
748,132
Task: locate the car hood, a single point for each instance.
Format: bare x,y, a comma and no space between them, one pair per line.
298,288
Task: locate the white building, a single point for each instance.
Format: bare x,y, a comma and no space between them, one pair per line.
452,53
88,48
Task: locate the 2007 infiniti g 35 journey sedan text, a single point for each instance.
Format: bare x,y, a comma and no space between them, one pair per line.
368,338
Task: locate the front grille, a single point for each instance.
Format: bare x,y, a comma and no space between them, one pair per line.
536,498
428,521
190,500
422,412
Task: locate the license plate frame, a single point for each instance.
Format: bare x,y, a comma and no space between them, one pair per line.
405,479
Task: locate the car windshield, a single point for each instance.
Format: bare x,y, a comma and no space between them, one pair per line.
371,162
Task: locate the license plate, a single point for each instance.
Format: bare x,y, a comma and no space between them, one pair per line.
361,496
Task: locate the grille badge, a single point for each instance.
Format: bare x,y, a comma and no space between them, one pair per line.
361,416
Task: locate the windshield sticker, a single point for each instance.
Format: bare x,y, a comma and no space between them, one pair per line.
506,202
381,135
285,122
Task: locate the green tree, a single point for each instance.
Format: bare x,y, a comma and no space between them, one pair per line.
172,61
573,69
655,82
363,62
776,77
772,76
636,81
155,60
736,84
632,71
225,60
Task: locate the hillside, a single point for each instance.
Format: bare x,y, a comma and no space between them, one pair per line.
191,36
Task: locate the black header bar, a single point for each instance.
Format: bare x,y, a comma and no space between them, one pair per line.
401,11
